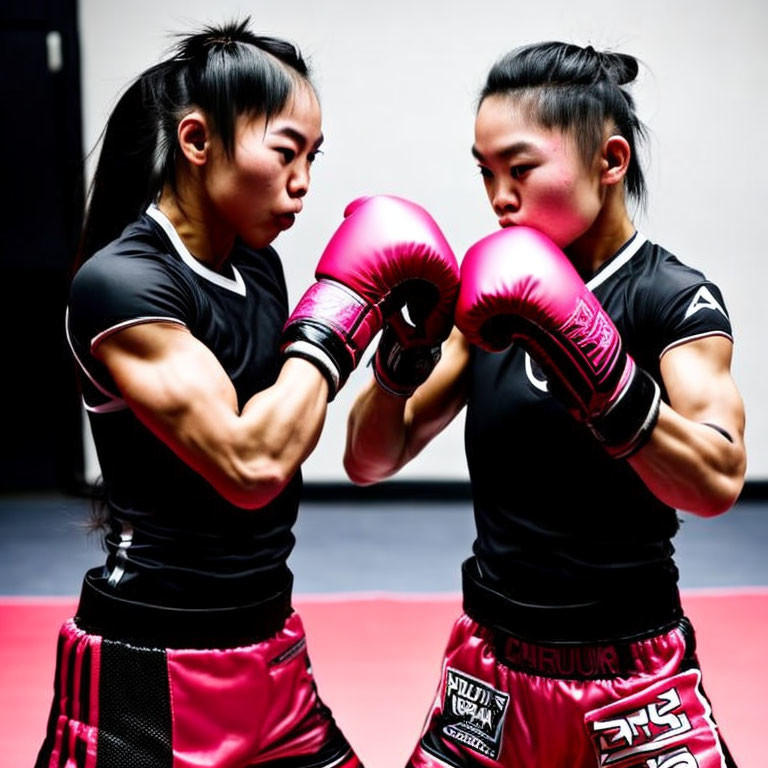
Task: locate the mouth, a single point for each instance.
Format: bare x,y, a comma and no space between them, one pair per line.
285,220
505,222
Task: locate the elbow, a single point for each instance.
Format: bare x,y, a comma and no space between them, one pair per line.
367,470
712,508
356,473
730,483
722,490
253,485
716,484
722,497
361,480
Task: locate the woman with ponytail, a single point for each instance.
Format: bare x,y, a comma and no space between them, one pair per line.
595,367
185,649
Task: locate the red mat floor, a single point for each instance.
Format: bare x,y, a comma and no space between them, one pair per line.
377,658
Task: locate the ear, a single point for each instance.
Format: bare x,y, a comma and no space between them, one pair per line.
614,160
194,137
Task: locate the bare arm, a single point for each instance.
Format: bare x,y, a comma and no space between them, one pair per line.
177,388
384,432
688,464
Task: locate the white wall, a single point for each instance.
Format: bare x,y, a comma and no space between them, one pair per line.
398,81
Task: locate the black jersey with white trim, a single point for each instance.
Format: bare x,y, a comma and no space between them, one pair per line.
558,520
173,538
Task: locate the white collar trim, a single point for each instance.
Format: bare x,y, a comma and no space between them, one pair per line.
236,284
632,246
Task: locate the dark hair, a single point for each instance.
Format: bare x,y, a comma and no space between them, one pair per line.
574,89
226,71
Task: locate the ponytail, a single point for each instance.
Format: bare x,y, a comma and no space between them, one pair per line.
127,176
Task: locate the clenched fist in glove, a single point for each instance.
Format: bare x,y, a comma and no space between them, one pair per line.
517,285
386,254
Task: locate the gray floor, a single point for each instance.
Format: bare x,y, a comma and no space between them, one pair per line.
400,546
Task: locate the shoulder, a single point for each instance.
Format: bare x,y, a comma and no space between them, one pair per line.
677,299
139,254
662,274
132,277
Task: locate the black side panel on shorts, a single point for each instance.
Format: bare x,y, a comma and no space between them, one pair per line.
134,702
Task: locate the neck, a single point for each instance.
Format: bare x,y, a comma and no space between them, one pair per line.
608,233
206,237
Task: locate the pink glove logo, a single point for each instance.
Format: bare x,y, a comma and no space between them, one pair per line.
594,335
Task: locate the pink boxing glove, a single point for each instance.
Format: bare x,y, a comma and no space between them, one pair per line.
517,285
387,252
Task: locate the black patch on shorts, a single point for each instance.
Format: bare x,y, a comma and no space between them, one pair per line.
134,708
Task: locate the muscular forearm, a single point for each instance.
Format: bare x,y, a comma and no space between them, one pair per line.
691,466
376,436
385,432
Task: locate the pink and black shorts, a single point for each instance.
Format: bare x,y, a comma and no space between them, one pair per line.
134,704
507,702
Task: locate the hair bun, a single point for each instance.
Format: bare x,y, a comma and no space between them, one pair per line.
620,67
212,38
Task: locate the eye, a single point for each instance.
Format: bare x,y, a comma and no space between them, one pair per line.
519,171
288,154
485,172
312,156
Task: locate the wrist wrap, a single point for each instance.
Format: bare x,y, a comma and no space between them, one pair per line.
628,422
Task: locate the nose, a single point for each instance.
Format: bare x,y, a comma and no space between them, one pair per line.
504,199
298,183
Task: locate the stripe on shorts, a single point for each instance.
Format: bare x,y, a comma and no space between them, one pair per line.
71,728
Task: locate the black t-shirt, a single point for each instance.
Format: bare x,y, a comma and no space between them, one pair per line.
174,539
559,522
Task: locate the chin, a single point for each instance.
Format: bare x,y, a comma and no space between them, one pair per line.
257,241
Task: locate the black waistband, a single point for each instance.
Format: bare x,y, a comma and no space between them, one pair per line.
623,617
586,661
102,612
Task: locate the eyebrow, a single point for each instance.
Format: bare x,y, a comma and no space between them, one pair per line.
518,148
297,136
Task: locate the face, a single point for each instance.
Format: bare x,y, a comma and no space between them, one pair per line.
258,190
535,176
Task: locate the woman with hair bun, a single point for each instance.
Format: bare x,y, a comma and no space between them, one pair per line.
595,367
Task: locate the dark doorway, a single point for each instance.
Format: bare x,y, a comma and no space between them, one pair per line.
41,199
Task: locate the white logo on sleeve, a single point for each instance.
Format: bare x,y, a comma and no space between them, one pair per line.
703,300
